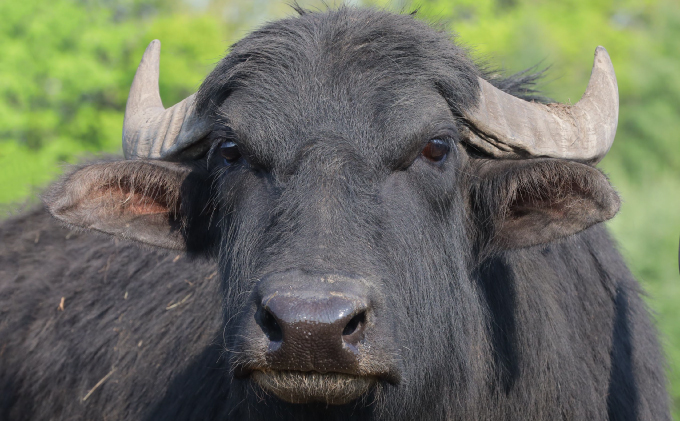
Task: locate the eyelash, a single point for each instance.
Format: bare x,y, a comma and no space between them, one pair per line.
221,136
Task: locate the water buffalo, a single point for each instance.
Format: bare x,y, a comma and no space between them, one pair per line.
359,223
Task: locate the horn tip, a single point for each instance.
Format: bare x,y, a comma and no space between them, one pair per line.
154,48
149,65
602,61
602,54
599,50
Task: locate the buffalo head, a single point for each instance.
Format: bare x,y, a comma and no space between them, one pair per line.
349,170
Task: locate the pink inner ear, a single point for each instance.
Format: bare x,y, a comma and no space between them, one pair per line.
126,200
141,205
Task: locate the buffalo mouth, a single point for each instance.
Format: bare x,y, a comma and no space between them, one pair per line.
309,387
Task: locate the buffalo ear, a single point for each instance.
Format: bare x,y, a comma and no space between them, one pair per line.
522,203
140,200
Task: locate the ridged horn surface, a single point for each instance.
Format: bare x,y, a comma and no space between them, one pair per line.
508,127
151,131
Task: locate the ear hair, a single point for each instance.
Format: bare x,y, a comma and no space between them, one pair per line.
522,203
139,200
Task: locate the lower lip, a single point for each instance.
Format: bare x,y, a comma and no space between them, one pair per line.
308,387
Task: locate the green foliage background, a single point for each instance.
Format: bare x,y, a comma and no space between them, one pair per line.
66,67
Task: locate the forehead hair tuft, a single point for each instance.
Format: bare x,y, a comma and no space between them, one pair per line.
370,47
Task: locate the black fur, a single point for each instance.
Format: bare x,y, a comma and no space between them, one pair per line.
331,111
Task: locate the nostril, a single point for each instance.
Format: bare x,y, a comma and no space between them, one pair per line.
270,326
356,324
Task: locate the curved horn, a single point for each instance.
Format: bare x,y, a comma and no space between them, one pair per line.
508,127
149,130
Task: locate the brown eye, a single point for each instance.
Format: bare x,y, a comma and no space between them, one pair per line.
230,152
436,150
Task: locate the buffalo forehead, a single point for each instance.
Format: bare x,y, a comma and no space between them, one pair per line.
366,77
377,123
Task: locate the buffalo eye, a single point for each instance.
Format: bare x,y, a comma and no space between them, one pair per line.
436,150
230,152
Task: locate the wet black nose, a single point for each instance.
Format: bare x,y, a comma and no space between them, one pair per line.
328,319
313,330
